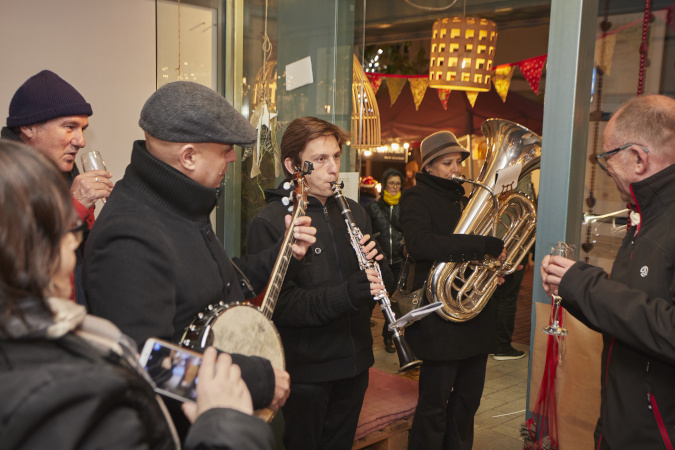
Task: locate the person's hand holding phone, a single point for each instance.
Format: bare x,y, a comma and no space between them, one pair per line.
220,386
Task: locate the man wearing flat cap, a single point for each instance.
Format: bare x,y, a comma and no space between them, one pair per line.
49,114
152,261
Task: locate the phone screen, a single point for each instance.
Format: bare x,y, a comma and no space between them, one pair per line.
172,368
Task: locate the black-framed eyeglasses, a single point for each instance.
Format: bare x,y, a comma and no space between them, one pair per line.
609,153
394,183
78,231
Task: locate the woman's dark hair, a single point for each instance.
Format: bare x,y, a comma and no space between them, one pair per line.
36,212
302,130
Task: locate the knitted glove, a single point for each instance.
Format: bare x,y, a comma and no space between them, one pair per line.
358,287
493,246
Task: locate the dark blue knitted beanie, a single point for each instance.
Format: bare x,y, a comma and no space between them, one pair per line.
43,97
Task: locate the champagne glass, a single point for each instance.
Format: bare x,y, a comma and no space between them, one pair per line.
562,249
93,160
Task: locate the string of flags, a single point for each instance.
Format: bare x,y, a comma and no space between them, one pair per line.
531,69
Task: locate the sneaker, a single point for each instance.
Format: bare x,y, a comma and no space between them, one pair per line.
389,345
509,354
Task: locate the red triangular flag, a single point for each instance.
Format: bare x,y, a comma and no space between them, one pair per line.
531,69
444,95
375,80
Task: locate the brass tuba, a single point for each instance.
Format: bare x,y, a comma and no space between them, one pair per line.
465,288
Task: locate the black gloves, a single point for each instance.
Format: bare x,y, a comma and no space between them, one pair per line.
493,246
470,247
358,287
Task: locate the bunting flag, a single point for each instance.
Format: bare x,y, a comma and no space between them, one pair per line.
395,86
604,52
501,79
443,96
472,96
531,69
418,86
375,80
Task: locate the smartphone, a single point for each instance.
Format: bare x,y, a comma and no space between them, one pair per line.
173,368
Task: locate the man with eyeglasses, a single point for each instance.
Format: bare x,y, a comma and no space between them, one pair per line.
634,309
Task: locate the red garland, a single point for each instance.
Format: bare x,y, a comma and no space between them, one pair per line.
643,46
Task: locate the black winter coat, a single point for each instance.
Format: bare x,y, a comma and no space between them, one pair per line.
387,230
326,334
63,393
153,262
430,211
635,311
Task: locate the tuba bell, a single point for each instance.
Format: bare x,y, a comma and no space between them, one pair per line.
465,288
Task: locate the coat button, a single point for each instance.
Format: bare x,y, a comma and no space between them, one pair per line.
317,251
209,235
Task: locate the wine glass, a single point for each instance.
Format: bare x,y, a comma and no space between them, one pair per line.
562,249
93,160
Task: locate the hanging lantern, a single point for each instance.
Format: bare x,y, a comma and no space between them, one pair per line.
462,53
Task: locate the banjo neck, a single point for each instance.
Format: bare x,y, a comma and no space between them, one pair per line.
271,293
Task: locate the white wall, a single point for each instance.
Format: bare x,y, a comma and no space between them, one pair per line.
105,48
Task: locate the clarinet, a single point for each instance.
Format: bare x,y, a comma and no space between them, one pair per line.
406,358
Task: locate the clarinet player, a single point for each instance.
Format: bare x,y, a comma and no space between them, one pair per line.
323,312
454,355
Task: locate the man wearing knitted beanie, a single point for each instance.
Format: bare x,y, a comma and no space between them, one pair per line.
49,114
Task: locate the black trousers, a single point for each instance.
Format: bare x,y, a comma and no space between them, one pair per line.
506,298
449,396
324,415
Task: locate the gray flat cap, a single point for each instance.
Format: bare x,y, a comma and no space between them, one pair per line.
189,112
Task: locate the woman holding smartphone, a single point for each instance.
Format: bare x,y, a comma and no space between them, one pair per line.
70,380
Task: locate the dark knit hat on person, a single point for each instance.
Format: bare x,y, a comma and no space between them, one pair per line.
44,97
439,144
391,172
188,112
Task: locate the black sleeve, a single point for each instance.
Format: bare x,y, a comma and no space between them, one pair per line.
646,324
258,375
225,428
426,244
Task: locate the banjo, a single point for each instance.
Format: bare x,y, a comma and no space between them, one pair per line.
246,328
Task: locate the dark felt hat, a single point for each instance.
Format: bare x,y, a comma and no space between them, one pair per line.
45,96
439,144
189,112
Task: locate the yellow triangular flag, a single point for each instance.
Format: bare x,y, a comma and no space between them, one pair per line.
604,52
472,96
501,79
395,85
418,86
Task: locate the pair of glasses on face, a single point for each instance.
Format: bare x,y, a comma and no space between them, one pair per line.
602,157
394,184
78,231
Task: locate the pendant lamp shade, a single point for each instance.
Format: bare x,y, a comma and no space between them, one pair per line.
462,53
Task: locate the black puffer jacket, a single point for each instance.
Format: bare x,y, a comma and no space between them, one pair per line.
635,311
326,334
386,226
60,391
430,211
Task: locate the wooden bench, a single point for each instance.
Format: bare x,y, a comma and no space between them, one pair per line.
387,413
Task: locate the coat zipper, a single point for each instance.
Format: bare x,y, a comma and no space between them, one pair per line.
659,421
391,245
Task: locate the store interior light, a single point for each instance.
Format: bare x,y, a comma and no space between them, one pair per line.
462,53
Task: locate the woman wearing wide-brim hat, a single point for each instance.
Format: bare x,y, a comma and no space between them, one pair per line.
454,355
